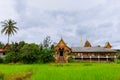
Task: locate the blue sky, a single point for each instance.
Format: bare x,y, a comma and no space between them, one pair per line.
95,20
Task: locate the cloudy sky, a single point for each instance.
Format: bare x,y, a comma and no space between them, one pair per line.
95,20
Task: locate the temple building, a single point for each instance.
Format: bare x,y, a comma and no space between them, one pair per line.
86,53
62,51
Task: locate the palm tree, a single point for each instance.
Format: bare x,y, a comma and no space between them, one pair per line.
9,28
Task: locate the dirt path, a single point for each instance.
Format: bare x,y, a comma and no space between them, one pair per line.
20,76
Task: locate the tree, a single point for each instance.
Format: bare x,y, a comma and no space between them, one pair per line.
13,52
46,55
1,45
46,51
47,42
29,53
9,28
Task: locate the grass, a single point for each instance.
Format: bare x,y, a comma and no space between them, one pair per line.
70,71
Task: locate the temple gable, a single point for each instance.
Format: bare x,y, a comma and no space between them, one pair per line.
108,45
87,44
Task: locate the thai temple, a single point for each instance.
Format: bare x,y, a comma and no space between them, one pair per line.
86,53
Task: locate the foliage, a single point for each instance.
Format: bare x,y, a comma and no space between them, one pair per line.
47,55
47,42
29,53
118,51
118,59
46,51
1,60
70,59
13,52
1,45
12,57
112,59
52,46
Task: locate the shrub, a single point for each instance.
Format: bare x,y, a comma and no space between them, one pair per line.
1,60
112,59
118,59
12,57
47,56
29,53
70,59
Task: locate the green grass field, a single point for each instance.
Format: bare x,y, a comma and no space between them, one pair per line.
70,71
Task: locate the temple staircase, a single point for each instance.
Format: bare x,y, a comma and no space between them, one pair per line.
61,59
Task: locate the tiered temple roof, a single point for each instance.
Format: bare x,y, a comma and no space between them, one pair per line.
62,44
92,49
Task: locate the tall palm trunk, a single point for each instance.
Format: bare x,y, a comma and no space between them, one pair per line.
8,38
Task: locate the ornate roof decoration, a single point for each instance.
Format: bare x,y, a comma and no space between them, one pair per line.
62,44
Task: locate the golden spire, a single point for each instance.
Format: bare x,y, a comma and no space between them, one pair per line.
81,44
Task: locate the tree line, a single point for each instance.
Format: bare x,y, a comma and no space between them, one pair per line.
22,52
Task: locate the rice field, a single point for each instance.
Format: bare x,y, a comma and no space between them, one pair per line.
61,71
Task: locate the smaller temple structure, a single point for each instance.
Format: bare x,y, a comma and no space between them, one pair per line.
87,44
62,50
86,53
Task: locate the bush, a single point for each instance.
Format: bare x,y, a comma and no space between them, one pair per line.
29,53
70,59
12,57
112,59
1,60
47,56
118,60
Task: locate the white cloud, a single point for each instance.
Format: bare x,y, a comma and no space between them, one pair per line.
97,21
7,9
64,4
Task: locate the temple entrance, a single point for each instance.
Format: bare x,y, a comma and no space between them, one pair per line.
61,50
61,54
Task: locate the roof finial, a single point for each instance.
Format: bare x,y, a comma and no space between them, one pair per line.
81,44
86,38
61,37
